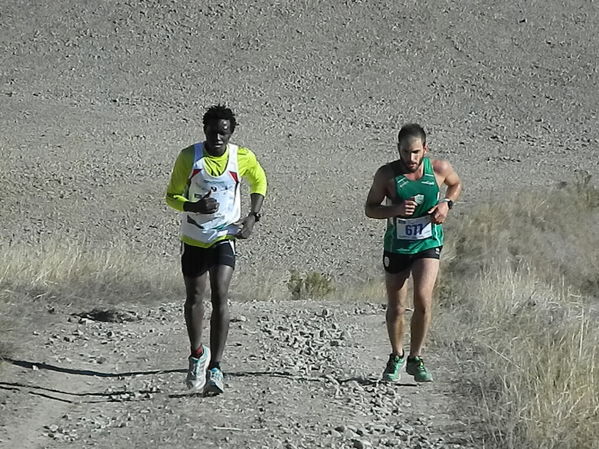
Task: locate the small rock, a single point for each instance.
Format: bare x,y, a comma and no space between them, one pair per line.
361,444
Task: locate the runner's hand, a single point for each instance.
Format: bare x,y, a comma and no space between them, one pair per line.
406,208
206,205
439,213
246,226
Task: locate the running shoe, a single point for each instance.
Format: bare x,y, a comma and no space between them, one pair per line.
196,374
391,373
416,368
215,383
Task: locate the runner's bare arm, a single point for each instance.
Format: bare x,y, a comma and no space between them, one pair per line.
377,194
448,176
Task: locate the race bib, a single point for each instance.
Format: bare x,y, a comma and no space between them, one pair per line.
413,228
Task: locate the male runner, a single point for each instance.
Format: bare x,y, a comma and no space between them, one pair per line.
415,210
205,187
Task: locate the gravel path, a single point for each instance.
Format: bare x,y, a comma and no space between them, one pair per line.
298,375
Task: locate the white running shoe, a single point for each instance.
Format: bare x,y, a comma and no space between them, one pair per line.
196,375
215,384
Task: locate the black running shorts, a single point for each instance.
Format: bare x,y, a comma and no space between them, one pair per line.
196,261
395,263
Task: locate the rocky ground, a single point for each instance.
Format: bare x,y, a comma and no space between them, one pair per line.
298,375
98,98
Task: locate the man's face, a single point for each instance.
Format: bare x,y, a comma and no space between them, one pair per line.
218,133
411,153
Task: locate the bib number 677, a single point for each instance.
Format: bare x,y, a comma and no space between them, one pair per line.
414,229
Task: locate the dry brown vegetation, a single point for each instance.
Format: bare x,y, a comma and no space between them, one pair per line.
518,303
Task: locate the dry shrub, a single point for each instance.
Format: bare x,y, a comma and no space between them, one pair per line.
311,285
554,230
517,309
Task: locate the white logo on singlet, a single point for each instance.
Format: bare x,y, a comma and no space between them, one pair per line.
419,199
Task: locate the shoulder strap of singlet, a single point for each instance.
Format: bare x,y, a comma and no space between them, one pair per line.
428,166
198,149
233,162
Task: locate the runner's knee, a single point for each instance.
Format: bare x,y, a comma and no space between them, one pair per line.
395,309
422,304
193,299
219,300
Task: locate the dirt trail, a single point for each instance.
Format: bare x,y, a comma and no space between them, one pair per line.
298,375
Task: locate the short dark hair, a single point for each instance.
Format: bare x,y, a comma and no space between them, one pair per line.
219,112
412,130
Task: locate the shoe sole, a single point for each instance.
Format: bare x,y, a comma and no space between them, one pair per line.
419,380
423,380
387,378
213,390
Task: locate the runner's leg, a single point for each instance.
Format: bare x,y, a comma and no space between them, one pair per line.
220,279
424,274
194,308
397,292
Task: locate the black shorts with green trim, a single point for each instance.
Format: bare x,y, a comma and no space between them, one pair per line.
195,260
395,263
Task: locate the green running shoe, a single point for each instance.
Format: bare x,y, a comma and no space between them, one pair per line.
392,370
416,368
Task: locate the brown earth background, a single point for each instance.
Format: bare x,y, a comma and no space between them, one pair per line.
98,98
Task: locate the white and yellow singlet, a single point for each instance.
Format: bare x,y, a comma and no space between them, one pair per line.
195,174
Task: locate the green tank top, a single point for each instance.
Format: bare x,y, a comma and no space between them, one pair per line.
415,234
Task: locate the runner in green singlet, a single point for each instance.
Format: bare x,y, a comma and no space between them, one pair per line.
415,210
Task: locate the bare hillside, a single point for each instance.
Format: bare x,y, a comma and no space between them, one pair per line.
99,98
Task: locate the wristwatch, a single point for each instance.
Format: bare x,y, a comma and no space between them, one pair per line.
448,201
256,215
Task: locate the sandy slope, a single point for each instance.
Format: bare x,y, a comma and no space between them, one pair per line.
98,98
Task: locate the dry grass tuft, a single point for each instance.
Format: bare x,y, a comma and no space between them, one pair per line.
67,272
517,310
